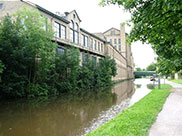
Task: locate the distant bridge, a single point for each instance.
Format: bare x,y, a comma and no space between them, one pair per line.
145,73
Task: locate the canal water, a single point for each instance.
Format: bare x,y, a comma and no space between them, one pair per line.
69,115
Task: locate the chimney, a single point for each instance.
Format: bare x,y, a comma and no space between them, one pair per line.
66,13
123,39
58,13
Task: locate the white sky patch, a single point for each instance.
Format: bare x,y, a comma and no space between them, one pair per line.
99,19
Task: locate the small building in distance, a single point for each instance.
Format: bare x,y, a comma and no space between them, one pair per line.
68,32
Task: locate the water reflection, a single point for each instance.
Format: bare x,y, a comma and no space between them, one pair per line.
141,91
61,116
68,115
138,86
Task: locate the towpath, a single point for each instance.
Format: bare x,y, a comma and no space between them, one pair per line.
169,120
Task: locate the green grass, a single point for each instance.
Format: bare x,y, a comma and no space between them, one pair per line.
136,120
179,81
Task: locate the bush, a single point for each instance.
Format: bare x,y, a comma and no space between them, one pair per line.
27,52
67,70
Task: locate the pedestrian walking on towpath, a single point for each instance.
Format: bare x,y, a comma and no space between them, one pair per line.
169,120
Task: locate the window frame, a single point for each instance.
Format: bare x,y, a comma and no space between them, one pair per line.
57,29
63,35
60,51
119,47
91,43
115,41
94,59
95,45
1,6
102,47
99,46
84,40
110,41
115,46
74,27
119,40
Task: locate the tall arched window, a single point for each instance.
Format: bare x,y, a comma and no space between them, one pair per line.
74,32
76,27
72,24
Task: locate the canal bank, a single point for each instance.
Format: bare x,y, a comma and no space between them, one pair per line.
70,115
137,119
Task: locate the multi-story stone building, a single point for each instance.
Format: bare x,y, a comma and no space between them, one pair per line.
69,33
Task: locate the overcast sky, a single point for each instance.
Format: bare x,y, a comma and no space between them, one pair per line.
99,19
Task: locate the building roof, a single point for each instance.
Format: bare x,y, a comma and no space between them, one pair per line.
81,29
46,11
110,29
52,14
101,35
76,15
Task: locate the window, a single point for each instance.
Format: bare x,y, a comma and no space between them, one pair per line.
56,29
1,6
119,47
84,40
76,37
110,41
63,32
76,27
91,43
44,23
60,51
95,47
94,59
115,46
115,41
119,41
74,32
60,31
71,35
74,16
72,24
98,46
112,32
102,49
84,58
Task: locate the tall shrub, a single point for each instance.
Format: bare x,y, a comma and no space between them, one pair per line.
1,69
27,53
67,70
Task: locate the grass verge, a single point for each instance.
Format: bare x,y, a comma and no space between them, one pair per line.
179,81
137,119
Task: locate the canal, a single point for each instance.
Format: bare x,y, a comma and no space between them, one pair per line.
69,115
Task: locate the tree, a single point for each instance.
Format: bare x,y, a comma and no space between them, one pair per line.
165,67
67,70
138,69
1,69
157,22
151,67
27,52
107,69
